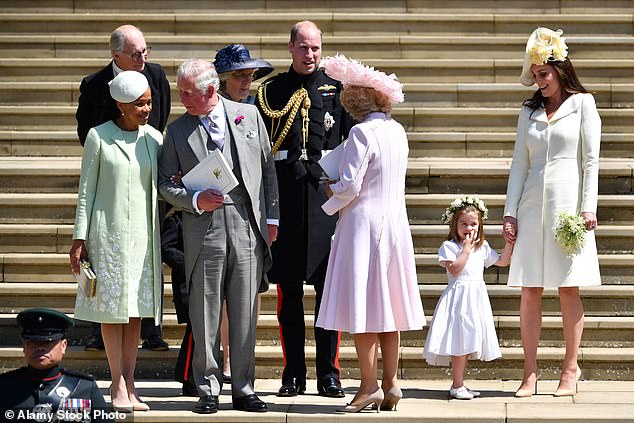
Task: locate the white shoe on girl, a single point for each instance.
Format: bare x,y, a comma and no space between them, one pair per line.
461,393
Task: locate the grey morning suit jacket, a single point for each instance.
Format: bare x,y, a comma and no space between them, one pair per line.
185,144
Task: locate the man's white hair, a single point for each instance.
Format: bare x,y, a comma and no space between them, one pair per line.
203,71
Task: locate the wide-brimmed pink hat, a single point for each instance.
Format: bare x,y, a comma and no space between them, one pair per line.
354,73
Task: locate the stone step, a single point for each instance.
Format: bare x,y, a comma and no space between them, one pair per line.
391,46
424,175
410,70
57,143
427,238
597,363
413,118
38,252
422,94
606,300
28,174
458,7
57,238
437,175
423,144
599,332
426,208
424,401
337,23
422,208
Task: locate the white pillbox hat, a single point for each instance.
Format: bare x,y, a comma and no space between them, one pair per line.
127,86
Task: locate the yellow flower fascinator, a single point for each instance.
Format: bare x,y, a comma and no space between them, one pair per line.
544,44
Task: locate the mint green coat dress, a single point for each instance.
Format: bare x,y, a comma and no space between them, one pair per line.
117,216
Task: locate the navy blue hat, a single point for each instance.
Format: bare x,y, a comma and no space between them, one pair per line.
43,324
236,57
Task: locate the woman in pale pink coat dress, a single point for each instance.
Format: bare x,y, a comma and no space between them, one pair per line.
371,289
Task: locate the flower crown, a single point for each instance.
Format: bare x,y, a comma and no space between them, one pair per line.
544,44
354,73
461,203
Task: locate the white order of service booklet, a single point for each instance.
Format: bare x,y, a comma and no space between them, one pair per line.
211,173
331,160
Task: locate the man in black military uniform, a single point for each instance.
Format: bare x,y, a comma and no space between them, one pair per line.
42,388
302,112
129,52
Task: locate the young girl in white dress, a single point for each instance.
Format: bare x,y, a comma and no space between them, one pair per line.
462,326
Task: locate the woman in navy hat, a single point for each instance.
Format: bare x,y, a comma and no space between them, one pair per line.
236,70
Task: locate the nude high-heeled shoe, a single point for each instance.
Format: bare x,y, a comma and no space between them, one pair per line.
527,393
122,408
138,404
375,398
391,397
569,392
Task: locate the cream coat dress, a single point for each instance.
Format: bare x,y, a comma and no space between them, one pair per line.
555,169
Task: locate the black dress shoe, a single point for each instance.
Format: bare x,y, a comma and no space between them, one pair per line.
250,403
95,343
207,404
155,343
189,388
292,387
330,387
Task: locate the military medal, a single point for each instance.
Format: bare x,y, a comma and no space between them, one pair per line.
304,155
329,121
42,412
62,392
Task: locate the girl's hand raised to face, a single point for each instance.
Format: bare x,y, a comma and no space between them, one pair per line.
470,241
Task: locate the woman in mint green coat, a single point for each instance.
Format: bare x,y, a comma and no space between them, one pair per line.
117,230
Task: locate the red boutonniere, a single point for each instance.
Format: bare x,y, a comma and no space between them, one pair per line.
238,120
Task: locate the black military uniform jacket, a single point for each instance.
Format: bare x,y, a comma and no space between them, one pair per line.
97,107
303,244
174,257
48,391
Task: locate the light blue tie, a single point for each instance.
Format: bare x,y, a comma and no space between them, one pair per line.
217,135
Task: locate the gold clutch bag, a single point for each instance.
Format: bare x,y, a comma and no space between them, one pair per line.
87,280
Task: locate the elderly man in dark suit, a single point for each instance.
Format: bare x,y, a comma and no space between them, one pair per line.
129,52
96,106
226,237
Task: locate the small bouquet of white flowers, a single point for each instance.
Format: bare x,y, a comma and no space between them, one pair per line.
570,232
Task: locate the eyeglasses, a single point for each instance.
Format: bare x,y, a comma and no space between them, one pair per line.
137,55
243,75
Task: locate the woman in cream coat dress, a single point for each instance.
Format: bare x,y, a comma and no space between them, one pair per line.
555,169
117,229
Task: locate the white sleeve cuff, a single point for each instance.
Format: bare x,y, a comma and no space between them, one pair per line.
195,202
275,222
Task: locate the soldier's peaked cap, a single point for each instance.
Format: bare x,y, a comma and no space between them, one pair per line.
43,324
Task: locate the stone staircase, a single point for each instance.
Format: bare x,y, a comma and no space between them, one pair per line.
460,67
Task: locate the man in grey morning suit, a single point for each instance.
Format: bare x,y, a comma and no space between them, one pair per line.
226,238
